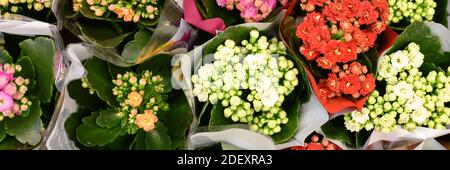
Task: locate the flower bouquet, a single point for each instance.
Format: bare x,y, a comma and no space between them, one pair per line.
410,103
112,107
337,42
246,79
405,12
216,15
27,92
126,32
36,9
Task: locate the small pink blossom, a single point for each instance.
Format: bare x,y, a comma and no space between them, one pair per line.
10,89
6,102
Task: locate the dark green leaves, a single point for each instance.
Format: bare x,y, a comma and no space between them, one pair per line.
103,33
26,129
217,117
41,52
5,57
90,134
108,118
83,98
158,139
100,80
236,33
179,117
2,131
335,129
134,48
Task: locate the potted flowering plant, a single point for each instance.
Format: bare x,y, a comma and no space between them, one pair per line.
412,93
128,107
338,46
124,32
247,79
27,92
223,13
405,12
36,9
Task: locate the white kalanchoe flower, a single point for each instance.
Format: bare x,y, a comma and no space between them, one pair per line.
420,115
352,126
360,117
415,103
399,60
403,90
269,97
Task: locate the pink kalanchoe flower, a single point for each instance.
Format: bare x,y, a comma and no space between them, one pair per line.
16,109
4,79
249,13
6,102
10,89
222,3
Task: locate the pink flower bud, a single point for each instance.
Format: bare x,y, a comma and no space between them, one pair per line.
315,138
362,78
342,74
112,7
325,142
345,67
335,69
356,95
364,69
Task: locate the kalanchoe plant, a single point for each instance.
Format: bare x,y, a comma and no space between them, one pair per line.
128,108
26,84
119,30
234,12
405,12
38,9
253,81
412,90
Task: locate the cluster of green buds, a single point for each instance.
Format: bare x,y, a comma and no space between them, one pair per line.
131,10
249,82
85,84
411,99
140,96
411,10
17,6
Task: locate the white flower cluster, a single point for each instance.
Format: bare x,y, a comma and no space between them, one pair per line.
411,99
249,82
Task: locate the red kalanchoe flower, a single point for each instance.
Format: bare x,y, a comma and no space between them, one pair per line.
314,146
356,68
350,84
366,13
325,63
309,54
368,85
333,83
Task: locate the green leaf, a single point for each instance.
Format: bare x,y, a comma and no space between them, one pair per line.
159,65
114,70
103,33
179,117
361,138
2,131
27,129
90,134
134,48
28,71
139,141
72,122
41,52
178,143
158,138
429,44
217,117
210,9
5,57
335,129
440,15
108,118
288,130
236,33
100,80
11,143
68,11
83,98
202,116
369,59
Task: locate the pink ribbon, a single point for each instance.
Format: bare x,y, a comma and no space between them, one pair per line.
193,17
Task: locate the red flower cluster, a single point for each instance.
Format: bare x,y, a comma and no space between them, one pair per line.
316,145
350,80
336,31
